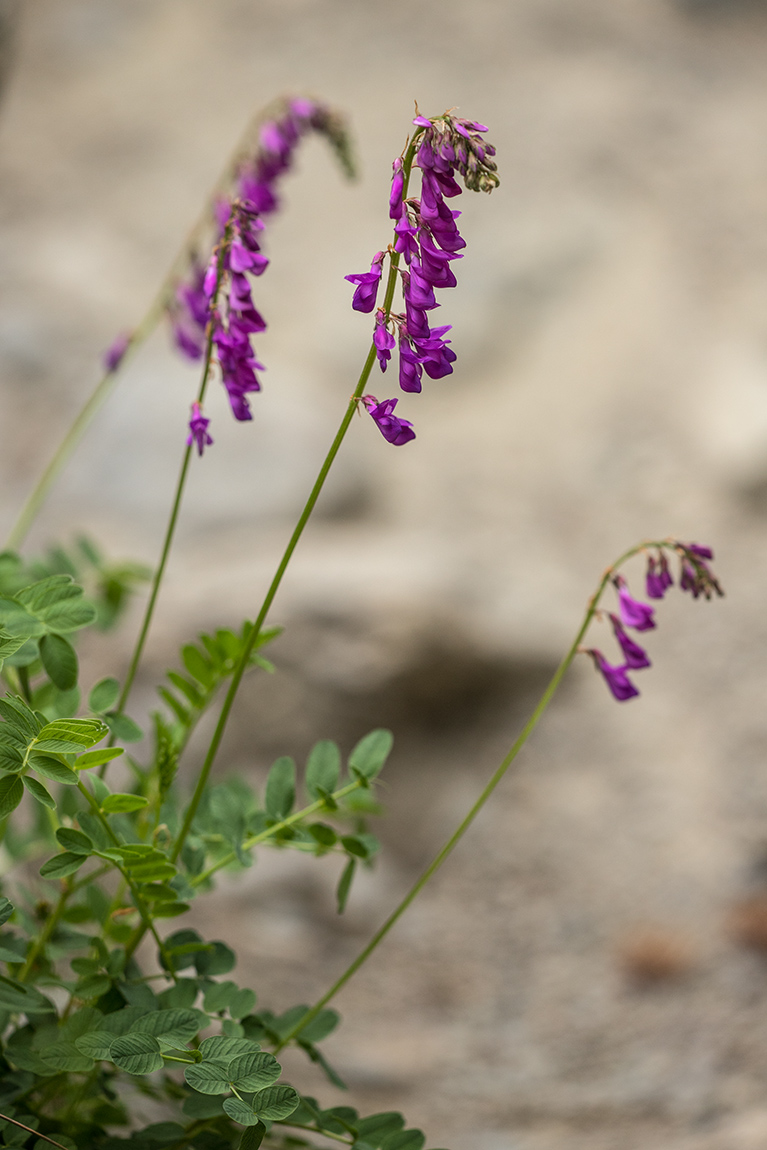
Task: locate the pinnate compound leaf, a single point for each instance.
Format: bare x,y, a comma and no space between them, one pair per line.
323,768
254,1071
68,736
123,804
62,865
275,1102
240,1112
136,1053
371,752
209,1077
11,794
252,1137
38,791
59,659
53,769
281,788
6,910
104,695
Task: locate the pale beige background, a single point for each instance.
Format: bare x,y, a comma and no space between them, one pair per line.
611,327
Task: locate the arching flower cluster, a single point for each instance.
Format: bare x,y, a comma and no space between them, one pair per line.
427,238
695,576
219,291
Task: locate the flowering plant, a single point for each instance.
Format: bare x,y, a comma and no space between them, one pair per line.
103,993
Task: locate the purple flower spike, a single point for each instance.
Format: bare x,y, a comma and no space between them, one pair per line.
383,339
396,206
635,656
198,430
113,356
616,678
394,430
364,298
633,613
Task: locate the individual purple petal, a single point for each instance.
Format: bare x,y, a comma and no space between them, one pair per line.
422,122
418,291
113,356
396,206
394,430
198,430
410,368
435,355
383,339
364,298
242,259
633,613
406,241
616,677
636,657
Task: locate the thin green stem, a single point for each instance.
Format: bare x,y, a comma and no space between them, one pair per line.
270,832
144,329
477,806
30,1130
177,500
314,495
45,934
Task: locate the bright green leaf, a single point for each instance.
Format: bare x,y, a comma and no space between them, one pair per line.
371,752
208,1077
275,1102
74,841
169,1027
11,794
38,791
136,1053
254,1071
53,769
59,659
62,865
122,804
96,758
323,768
104,695
218,1048
65,736
240,1112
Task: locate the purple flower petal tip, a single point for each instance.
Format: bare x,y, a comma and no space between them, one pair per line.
616,678
633,613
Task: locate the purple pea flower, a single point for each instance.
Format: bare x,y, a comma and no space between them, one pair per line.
383,339
633,613
198,430
658,579
113,356
406,241
394,430
616,677
364,298
636,657
699,551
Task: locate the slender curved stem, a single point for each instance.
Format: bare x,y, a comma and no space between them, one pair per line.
292,544
477,806
30,1130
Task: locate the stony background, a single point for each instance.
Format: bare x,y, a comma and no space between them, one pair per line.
611,326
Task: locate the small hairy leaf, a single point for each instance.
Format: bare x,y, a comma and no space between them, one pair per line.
170,1027
240,1112
371,752
323,768
219,1048
281,788
96,758
62,865
66,1056
104,695
74,841
11,794
136,1053
208,1077
254,1071
59,659
38,791
252,1137
123,804
53,769
345,884
275,1102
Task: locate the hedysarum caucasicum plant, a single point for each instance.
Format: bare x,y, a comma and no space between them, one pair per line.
106,998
